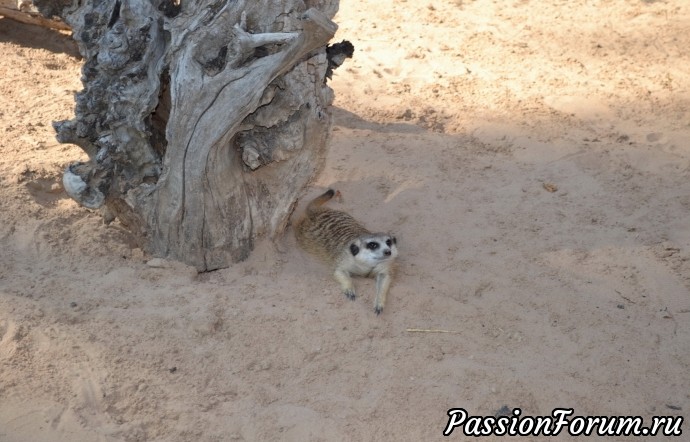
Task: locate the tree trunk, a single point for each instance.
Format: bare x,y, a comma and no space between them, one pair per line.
202,121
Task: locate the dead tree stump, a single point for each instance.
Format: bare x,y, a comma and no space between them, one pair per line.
202,120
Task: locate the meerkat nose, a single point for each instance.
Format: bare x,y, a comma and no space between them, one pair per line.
387,252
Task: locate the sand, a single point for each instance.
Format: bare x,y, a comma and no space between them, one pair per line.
533,159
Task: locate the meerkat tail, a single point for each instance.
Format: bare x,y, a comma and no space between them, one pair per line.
320,200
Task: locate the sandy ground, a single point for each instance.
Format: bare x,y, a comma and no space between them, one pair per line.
533,159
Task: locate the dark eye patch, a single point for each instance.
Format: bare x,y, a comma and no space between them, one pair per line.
372,245
389,242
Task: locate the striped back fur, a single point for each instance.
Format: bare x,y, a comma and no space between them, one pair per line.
326,232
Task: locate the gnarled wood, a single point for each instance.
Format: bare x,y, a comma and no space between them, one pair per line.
202,121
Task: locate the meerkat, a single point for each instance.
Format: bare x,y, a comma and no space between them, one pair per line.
350,249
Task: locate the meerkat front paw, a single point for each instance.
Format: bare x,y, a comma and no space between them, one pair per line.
351,295
378,309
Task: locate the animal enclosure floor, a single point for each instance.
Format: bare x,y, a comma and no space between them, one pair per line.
533,160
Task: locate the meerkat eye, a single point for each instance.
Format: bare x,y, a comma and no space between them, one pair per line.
389,242
372,245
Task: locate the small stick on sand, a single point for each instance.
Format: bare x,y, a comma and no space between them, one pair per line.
430,330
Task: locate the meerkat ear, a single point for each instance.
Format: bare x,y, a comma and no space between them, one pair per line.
354,249
394,240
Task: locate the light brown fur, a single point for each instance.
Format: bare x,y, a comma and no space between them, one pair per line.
347,246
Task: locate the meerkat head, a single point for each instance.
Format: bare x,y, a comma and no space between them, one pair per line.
372,249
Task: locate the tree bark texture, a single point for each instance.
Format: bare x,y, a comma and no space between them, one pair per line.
202,120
